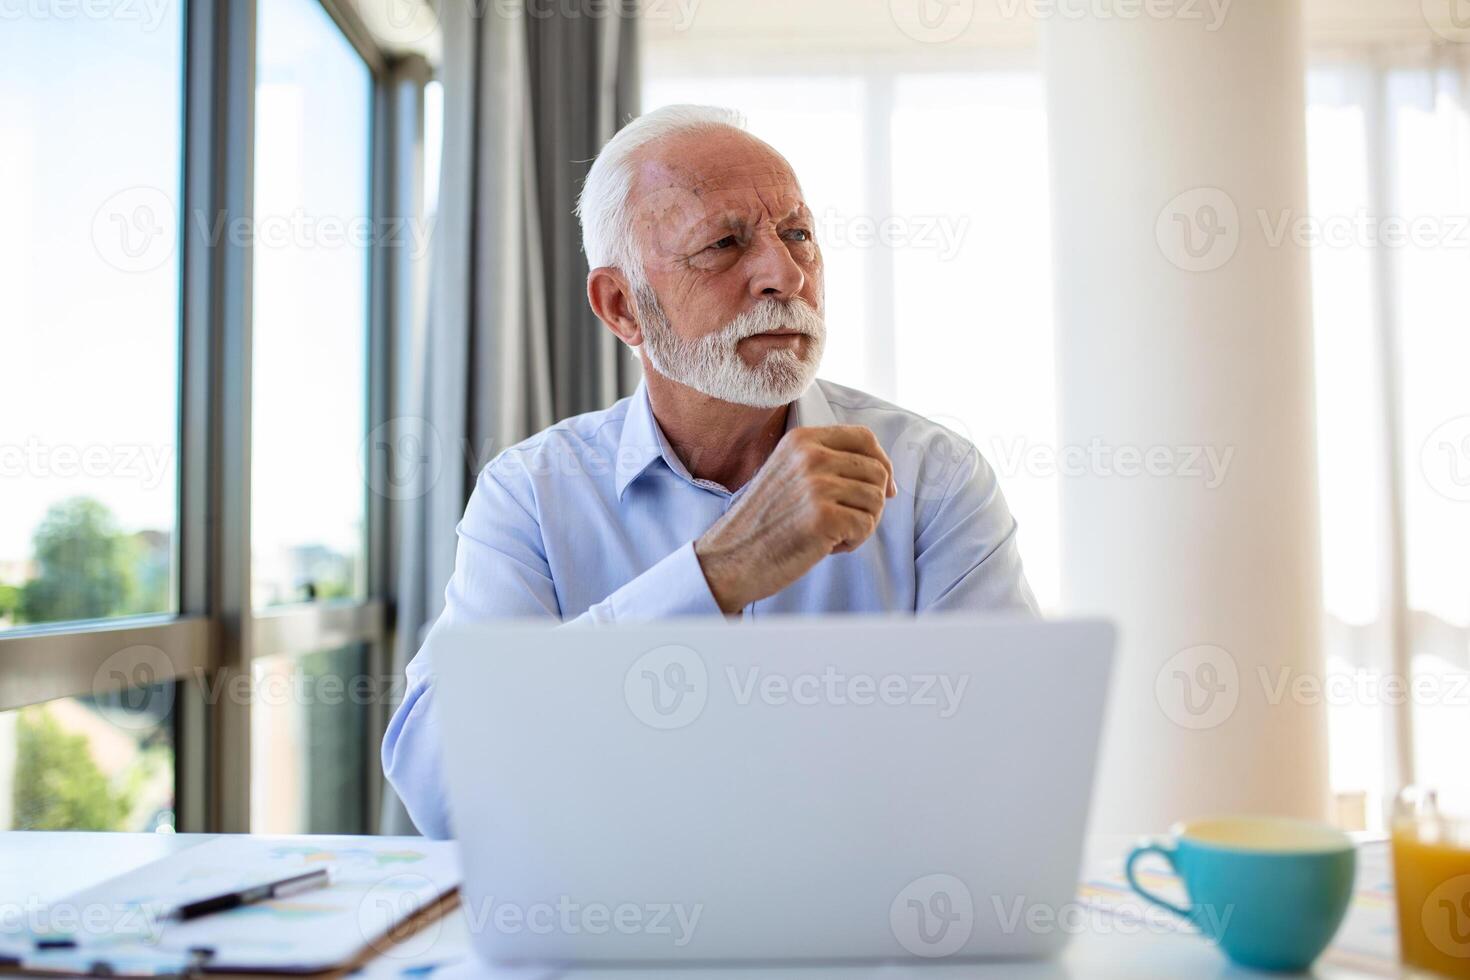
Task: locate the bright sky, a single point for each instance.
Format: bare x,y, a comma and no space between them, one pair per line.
90,150
312,148
88,109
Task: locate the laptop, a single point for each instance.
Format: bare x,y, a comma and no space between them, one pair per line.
812,789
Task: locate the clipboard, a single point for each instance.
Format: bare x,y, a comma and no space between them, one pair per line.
383,890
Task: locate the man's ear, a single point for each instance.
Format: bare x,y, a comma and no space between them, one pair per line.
611,298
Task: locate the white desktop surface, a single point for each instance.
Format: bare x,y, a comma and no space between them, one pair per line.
44,866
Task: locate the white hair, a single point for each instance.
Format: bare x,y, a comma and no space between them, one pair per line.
607,225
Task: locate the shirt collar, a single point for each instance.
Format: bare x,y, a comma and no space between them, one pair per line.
642,441
811,409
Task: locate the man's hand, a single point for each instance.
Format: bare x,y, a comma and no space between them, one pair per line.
821,493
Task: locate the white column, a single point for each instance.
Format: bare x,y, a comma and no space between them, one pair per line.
1177,143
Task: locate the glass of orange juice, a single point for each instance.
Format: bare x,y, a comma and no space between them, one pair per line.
1431,871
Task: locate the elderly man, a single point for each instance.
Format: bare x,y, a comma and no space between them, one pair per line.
731,483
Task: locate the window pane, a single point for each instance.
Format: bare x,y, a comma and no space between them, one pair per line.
1349,435
90,152
90,763
1431,139
433,147
313,106
309,743
973,282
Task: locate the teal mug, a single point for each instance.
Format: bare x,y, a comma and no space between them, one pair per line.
1269,890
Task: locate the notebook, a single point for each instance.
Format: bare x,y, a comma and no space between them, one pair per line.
379,889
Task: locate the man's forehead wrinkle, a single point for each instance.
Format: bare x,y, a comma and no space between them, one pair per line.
779,198
743,174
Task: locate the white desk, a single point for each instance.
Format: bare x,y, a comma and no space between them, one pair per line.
42,867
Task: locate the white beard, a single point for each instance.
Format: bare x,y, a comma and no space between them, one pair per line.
712,366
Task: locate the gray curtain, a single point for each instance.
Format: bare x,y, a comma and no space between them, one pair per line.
530,95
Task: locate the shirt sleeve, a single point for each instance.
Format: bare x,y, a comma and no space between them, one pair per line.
966,557
501,572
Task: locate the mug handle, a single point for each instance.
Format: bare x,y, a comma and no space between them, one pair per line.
1166,851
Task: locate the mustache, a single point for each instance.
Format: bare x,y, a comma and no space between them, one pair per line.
775,314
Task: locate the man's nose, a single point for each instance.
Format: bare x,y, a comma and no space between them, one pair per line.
774,274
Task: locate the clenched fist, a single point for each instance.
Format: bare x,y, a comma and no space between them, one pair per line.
821,493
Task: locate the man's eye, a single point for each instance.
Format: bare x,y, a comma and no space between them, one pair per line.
727,242
799,235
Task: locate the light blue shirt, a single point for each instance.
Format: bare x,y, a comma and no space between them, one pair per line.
594,520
